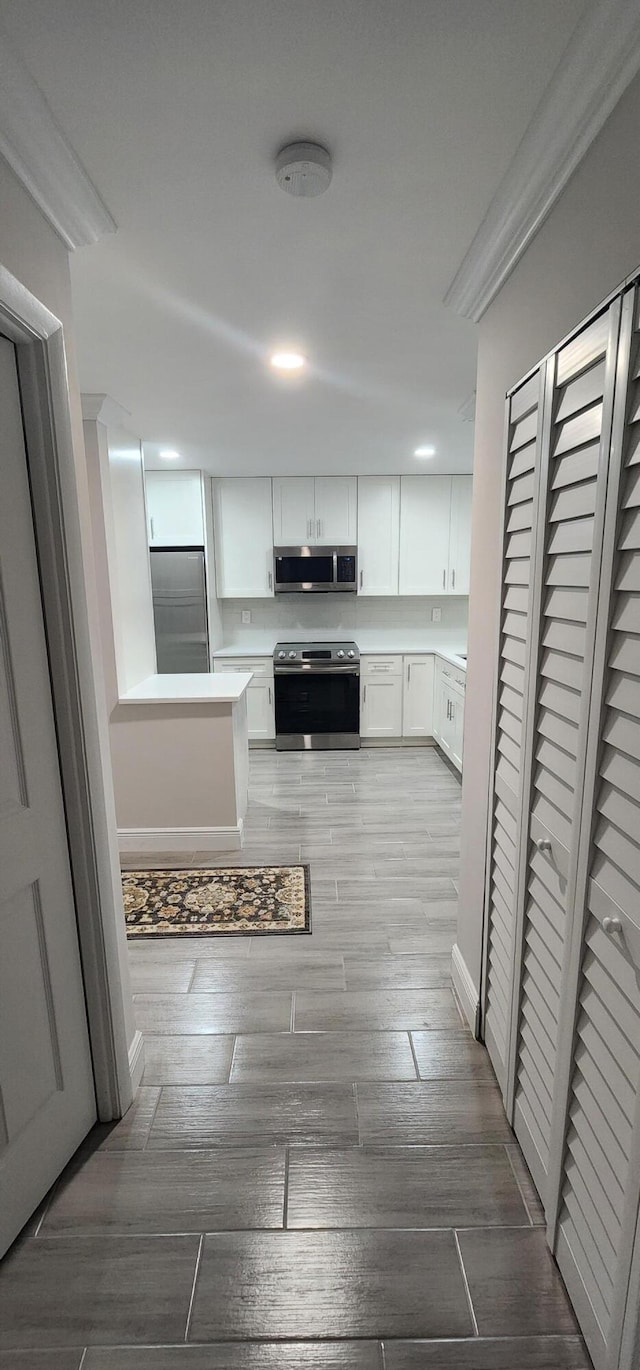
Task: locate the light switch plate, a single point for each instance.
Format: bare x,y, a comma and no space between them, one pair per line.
246,615
436,615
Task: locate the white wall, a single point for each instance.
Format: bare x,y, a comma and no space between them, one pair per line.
128,553
33,253
587,246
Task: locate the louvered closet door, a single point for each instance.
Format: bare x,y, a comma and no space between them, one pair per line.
600,1176
523,442
574,462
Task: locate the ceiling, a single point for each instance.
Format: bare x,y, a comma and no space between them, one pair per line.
177,111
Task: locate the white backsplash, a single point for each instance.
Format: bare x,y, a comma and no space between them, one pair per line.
293,617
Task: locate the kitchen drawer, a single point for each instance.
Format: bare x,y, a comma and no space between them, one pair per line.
258,665
455,678
380,665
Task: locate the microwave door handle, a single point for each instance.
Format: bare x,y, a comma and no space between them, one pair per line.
335,568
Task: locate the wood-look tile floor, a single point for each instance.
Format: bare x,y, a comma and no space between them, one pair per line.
317,1171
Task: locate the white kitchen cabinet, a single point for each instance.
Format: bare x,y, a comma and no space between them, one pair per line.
381,696
425,516
294,511
378,534
261,723
314,510
336,510
460,535
243,537
448,709
261,720
417,701
175,508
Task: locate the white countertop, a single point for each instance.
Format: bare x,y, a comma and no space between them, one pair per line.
194,688
262,644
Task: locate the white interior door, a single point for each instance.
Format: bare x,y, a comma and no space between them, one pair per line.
47,1102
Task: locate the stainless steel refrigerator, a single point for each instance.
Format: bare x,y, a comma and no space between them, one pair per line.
179,590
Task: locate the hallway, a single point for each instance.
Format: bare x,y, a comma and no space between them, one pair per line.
318,1152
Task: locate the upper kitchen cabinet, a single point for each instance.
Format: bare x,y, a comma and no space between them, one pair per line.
378,534
336,510
294,511
308,510
175,508
435,534
243,537
425,516
460,535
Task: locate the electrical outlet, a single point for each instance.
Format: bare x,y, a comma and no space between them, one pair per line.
436,615
246,615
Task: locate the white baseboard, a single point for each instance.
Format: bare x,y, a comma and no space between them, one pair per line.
465,989
397,742
136,1060
180,839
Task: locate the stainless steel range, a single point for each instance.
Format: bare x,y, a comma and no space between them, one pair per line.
317,694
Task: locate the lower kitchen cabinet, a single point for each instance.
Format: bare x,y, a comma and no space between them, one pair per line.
381,696
417,703
448,710
261,722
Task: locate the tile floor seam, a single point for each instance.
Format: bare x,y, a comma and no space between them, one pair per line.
413,1053
233,1057
153,1114
466,1286
193,1288
285,1202
517,1180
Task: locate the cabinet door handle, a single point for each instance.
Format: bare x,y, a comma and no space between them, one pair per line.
270,580
409,673
444,579
319,528
543,844
364,697
361,576
152,532
270,695
453,580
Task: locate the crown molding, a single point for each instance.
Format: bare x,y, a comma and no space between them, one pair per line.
601,58
43,160
102,409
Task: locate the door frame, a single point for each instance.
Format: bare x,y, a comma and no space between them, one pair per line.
44,392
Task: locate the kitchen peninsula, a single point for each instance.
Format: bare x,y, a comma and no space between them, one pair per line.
180,750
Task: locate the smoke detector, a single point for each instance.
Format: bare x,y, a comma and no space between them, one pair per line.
303,169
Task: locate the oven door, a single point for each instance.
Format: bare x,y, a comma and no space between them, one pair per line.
317,709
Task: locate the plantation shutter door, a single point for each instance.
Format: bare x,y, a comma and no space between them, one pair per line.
523,442
579,403
599,1168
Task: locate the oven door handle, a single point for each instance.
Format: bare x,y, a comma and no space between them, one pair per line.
332,670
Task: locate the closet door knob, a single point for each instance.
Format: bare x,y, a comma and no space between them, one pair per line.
543,844
611,926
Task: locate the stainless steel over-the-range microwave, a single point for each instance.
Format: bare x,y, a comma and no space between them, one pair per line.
315,570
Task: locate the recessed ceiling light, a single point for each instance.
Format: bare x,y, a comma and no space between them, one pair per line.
169,455
425,452
287,361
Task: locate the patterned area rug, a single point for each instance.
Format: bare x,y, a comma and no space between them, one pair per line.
221,900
